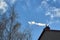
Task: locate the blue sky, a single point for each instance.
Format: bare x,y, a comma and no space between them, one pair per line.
40,11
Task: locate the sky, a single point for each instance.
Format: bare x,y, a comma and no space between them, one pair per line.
35,14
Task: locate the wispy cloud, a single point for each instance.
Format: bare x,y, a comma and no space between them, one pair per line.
39,24
43,6
3,6
53,12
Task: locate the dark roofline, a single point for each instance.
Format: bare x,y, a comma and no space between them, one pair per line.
47,29
41,35
55,30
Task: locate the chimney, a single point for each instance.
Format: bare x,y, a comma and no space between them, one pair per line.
47,28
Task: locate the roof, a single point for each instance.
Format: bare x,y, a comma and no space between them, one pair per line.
49,33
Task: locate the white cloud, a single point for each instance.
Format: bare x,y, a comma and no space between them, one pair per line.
44,3
3,6
48,13
57,12
53,12
39,24
31,22
43,6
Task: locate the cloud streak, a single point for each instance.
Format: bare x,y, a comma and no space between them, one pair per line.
35,23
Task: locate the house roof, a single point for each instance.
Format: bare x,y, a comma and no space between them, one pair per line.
47,29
